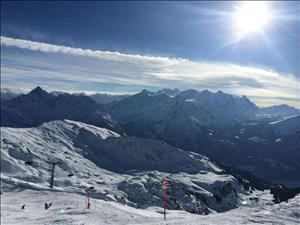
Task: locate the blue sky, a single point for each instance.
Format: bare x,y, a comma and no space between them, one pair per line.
123,47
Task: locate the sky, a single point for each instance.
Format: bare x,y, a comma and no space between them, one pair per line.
124,47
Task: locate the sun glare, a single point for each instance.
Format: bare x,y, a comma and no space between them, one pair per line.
252,16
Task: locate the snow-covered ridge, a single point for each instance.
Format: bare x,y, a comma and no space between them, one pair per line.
100,132
283,119
123,169
288,125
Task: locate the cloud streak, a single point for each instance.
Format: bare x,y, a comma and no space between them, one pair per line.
106,55
76,69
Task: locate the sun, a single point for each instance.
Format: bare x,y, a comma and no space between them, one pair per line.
251,16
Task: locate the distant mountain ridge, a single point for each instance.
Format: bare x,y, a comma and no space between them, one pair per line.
39,106
277,111
100,98
224,127
216,109
181,118
221,126
104,98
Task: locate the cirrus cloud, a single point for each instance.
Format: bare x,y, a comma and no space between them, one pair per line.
107,55
25,64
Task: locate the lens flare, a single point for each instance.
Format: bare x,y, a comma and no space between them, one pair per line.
252,16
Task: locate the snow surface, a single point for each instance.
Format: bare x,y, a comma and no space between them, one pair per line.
121,169
69,209
126,188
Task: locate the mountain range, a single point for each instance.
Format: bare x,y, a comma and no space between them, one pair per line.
226,128
229,129
39,106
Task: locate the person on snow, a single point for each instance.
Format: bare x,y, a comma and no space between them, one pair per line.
47,206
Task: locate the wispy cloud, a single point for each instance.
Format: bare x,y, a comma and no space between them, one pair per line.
106,55
74,69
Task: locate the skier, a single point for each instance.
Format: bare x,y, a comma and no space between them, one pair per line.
47,206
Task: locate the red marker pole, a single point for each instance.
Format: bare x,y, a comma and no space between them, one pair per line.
88,201
165,197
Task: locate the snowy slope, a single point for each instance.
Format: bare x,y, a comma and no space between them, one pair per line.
68,209
123,169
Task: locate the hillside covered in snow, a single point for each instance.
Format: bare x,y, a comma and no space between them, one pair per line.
69,208
229,129
121,169
120,153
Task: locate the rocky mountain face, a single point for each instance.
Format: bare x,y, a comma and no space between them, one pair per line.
106,98
39,106
205,108
100,98
231,130
224,127
186,119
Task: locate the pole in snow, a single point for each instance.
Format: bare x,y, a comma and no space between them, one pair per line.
88,201
165,198
88,204
53,163
52,175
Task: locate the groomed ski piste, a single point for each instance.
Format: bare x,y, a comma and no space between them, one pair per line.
69,209
126,174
